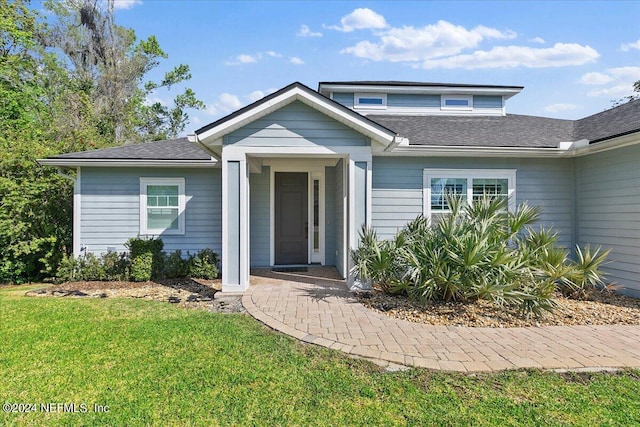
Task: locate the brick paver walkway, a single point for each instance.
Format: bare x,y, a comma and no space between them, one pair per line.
323,312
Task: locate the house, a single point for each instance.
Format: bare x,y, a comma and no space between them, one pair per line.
291,178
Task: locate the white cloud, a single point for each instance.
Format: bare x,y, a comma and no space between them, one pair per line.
617,82
628,46
304,31
595,79
360,19
417,44
560,55
125,4
251,59
225,103
296,61
557,108
538,40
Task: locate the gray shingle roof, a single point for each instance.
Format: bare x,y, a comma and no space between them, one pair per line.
413,84
513,130
487,131
172,149
607,124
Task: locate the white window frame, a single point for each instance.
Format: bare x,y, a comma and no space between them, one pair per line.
469,175
358,105
144,183
468,98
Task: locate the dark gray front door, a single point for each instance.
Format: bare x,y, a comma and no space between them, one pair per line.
291,224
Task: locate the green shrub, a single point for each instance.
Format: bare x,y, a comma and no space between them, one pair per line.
116,266
68,269
204,265
478,251
175,266
142,247
91,268
142,267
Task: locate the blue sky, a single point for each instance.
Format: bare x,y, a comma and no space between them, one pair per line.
573,58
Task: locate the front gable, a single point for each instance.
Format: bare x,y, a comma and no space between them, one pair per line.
300,115
295,125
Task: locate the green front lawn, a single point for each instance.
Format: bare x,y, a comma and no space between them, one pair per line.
155,364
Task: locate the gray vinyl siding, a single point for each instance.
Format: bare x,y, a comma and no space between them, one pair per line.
260,223
339,219
330,216
110,208
344,98
296,125
487,101
608,190
397,189
413,100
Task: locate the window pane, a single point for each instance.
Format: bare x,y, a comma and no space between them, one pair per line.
440,187
166,218
456,102
490,187
370,101
152,201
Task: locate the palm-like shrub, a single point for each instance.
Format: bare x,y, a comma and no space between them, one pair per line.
477,251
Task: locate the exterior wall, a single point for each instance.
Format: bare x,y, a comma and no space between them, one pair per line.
259,212
110,208
296,125
608,193
330,215
398,189
339,218
426,103
487,101
344,98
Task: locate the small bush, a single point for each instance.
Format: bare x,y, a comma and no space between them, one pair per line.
116,266
175,266
68,269
138,247
91,268
142,267
204,265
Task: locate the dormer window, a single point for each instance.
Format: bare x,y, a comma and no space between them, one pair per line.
373,101
457,102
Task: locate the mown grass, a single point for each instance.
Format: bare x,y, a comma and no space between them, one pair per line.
154,364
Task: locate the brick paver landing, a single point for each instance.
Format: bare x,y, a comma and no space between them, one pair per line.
323,312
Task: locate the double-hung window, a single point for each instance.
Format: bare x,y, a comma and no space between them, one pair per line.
470,184
162,205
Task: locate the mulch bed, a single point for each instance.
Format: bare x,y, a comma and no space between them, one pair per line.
598,308
187,293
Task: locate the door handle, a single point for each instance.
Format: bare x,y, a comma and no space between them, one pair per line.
306,230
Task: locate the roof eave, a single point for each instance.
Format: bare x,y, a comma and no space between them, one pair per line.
70,162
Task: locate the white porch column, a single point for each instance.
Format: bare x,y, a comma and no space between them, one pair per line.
235,223
359,212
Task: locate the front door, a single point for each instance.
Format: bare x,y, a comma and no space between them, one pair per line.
291,218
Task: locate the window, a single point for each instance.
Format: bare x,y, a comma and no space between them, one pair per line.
162,204
370,100
456,102
471,184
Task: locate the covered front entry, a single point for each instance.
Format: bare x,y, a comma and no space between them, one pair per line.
267,150
291,218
